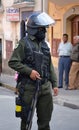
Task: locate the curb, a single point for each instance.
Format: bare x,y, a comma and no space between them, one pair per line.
7,86
64,103
58,101
70,105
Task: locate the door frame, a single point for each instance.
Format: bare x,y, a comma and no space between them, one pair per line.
0,56
74,27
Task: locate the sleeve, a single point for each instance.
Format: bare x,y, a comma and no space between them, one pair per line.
53,76
58,50
71,47
16,59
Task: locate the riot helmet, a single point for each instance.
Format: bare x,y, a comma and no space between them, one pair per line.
37,20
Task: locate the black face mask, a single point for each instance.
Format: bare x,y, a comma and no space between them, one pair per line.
40,35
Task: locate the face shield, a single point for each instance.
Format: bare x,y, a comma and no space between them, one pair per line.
39,19
44,19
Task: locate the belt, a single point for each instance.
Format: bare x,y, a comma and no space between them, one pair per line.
64,56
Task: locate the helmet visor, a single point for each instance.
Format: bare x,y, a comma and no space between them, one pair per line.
44,19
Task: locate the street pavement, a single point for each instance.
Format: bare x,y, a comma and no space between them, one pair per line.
68,98
63,118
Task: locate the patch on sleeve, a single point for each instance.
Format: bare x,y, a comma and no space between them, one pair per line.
16,45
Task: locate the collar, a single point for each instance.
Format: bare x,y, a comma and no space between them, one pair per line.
31,37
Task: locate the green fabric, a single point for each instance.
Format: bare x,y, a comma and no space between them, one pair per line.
18,56
44,111
53,76
16,59
44,105
45,102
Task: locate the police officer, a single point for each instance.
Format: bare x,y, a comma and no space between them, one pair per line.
22,61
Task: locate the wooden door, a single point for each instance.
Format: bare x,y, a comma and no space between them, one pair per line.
74,27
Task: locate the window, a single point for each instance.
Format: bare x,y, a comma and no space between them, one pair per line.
0,2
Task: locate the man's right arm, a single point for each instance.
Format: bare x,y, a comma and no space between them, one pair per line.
58,50
16,59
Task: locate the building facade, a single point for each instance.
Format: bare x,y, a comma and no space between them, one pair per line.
66,15
12,13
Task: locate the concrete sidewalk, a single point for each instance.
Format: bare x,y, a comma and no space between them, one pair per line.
68,98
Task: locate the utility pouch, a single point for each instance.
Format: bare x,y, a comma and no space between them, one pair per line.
21,110
18,108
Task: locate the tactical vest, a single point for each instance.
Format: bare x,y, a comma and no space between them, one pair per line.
30,61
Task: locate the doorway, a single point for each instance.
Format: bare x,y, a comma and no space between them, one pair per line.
24,16
74,27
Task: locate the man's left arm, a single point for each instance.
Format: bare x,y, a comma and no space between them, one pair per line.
53,79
